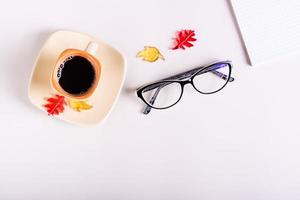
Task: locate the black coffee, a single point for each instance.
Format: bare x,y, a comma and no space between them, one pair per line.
76,75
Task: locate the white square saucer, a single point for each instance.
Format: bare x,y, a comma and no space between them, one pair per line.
113,69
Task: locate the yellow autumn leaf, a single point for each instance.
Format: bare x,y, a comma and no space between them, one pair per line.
79,105
150,54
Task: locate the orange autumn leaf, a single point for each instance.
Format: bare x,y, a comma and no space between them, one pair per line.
150,54
79,105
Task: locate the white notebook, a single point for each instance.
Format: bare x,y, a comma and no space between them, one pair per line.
270,28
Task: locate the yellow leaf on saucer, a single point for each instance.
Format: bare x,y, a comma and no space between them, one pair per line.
79,105
150,54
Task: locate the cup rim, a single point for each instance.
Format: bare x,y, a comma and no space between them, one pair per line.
63,56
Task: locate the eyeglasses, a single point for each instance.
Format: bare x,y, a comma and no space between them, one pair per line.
167,92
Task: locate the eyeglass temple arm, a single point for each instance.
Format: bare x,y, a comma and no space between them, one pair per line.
188,74
180,77
152,100
222,76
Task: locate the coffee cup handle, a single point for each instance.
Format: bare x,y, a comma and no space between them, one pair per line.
92,48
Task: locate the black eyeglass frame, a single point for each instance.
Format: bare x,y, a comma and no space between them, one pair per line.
183,79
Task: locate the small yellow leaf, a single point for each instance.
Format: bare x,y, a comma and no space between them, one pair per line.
150,54
79,105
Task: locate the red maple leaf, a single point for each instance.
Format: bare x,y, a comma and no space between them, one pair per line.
55,105
184,39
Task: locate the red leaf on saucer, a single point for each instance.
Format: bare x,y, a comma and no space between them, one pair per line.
184,39
55,105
